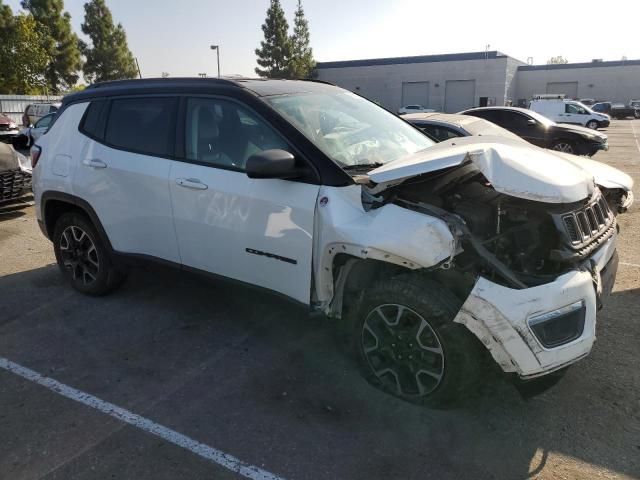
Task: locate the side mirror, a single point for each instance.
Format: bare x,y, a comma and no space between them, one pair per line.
531,122
272,164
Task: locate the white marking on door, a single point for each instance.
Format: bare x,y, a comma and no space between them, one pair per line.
209,453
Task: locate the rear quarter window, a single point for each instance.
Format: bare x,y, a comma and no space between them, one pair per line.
92,123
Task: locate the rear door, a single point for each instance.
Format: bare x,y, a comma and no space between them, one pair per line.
258,231
123,172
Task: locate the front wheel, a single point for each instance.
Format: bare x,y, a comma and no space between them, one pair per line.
563,146
406,343
82,256
636,114
593,124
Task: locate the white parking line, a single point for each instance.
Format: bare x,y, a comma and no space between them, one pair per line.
630,264
635,136
209,453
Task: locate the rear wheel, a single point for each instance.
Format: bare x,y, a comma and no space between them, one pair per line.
564,146
406,343
83,257
593,124
636,114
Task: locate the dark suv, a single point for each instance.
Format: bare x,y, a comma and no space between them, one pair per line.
543,132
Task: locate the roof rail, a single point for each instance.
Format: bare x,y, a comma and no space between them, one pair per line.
146,81
549,96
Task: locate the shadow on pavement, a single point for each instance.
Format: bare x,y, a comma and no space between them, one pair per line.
259,378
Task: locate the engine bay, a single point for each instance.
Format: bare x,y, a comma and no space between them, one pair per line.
512,241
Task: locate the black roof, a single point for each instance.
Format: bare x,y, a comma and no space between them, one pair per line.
449,57
257,86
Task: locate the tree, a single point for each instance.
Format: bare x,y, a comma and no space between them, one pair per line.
108,56
61,43
23,54
301,63
557,60
275,50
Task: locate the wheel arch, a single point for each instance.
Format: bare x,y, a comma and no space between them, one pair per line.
55,204
353,275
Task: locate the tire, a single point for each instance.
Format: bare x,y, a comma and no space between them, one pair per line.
636,114
443,362
83,257
564,146
593,124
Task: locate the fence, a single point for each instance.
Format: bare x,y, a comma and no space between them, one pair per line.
13,106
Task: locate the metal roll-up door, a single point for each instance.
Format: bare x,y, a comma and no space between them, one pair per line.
459,95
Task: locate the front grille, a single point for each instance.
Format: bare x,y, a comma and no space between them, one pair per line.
586,224
13,184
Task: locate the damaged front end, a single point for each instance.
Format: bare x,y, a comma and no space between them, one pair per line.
539,270
531,266
15,174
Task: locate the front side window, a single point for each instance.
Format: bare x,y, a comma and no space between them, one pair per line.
350,130
576,109
142,125
516,120
224,134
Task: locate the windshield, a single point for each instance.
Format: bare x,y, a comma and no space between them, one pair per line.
349,129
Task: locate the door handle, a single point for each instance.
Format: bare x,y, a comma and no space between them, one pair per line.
95,163
192,183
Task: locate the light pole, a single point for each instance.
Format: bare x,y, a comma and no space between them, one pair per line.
217,49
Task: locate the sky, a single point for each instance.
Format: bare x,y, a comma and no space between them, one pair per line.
175,36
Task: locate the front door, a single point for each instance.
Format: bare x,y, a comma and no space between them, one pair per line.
258,231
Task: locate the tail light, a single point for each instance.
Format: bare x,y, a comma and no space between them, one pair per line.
36,151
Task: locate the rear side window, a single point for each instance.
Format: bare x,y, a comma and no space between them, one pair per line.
439,133
93,123
142,125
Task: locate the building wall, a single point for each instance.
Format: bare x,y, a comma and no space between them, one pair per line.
511,80
383,83
616,83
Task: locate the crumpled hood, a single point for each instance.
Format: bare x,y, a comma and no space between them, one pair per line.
604,175
513,168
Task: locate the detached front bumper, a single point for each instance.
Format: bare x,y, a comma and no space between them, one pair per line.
507,320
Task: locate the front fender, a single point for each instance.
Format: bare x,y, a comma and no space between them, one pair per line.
389,233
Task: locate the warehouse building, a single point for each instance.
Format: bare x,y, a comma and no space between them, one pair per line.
454,82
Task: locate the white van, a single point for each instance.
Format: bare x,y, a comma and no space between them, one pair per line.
561,110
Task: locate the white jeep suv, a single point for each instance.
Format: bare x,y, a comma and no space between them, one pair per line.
433,257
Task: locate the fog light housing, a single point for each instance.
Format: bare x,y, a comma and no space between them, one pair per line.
559,327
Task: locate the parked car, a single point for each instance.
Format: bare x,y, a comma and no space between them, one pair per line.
15,173
35,111
28,136
569,111
8,128
541,131
445,126
414,109
617,110
432,258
